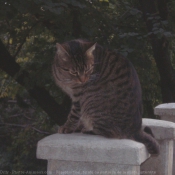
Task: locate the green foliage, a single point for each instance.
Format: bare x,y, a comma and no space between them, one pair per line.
30,29
22,124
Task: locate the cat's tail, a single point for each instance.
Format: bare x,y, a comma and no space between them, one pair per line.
147,138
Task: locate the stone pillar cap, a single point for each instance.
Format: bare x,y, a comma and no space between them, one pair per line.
161,129
165,109
91,148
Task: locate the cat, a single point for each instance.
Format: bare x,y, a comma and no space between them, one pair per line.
105,92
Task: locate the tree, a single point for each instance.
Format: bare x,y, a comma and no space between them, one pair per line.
56,112
154,20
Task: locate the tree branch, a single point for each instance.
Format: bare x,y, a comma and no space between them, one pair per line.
24,126
42,132
57,113
15,125
24,40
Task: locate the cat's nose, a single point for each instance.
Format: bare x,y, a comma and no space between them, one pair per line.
82,78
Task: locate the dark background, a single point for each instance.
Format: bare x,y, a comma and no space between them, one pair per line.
31,106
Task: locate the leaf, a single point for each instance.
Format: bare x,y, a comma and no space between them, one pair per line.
157,17
168,34
56,10
48,2
134,11
104,0
124,53
111,6
150,33
75,3
133,34
150,18
165,22
156,24
155,28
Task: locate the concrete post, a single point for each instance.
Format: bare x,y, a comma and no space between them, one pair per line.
164,132
81,154
74,154
167,112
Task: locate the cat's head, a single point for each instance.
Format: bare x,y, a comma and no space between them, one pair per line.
75,61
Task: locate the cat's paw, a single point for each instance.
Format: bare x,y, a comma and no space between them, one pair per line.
64,130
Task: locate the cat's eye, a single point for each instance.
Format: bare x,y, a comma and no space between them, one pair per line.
63,68
73,73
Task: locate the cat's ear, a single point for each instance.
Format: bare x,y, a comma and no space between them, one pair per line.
61,51
89,52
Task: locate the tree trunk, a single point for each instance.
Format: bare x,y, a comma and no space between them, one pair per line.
57,113
160,47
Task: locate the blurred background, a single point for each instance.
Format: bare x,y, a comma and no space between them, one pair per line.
31,105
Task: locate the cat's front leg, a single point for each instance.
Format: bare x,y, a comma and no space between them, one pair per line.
72,123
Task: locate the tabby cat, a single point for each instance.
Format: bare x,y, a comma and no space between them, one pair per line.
105,92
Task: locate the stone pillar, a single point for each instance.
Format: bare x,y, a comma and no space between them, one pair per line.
167,112
81,154
164,132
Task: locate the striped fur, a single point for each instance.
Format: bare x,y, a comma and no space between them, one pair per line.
105,92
